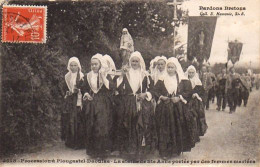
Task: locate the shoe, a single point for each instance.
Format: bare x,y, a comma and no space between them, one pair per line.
218,109
223,109
115,153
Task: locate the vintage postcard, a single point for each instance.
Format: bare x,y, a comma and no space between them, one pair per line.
129,83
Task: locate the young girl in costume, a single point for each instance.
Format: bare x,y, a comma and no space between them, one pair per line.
135,119
174,120
196,104
72,119
98,109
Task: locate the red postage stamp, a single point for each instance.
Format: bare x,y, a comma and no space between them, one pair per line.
25,24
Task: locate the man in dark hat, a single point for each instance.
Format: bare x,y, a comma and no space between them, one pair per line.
245,88
221,90
233,85
212,91
207,85
257,81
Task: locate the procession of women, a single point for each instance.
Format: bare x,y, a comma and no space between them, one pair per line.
137,111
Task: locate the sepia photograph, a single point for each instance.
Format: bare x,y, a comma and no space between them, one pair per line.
129,82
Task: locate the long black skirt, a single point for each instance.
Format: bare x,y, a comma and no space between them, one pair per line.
136,129
99,121
73,124
175,129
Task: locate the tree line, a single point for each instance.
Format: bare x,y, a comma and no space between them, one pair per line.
32,75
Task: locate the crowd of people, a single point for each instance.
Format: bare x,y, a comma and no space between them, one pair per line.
134,113
230,88
137,113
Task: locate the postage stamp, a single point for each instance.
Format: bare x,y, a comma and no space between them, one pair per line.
24,24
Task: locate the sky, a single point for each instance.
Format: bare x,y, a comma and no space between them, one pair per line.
246,29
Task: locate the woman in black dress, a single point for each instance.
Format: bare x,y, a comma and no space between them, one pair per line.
174,120
196,104
98,109
112,77
136,134
72,119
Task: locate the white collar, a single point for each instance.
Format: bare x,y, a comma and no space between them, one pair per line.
171,83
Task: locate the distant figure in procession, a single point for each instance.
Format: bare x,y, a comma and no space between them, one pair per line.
233,84
257,82
207,85
221,90
212,91
244,89
126,46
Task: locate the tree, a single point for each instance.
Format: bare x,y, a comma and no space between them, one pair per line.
33,74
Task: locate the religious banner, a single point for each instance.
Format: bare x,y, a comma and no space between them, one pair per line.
200,36
234,51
